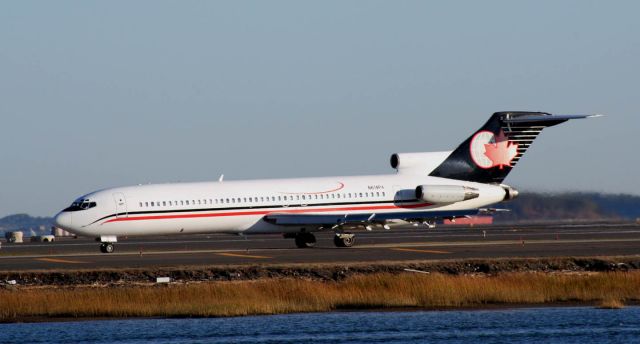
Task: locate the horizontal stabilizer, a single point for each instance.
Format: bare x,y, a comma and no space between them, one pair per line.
546,119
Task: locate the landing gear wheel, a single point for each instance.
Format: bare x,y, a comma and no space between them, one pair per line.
106,247
344,240
305,240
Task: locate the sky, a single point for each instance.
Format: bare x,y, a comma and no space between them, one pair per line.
97,94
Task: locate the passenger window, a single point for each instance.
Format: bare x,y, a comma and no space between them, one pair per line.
279,198
338,195
146,204
140,204
303,197
361,195
164,203
152,204
333,196
382,193
349,194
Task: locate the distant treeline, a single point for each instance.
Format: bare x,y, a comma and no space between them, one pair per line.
570,206
25,222
527,207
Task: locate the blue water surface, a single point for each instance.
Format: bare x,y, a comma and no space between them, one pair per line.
527,325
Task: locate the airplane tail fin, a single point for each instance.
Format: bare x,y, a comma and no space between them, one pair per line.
491,152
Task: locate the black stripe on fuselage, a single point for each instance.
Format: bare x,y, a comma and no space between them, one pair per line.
250,208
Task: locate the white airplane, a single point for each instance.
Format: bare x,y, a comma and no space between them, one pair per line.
425,188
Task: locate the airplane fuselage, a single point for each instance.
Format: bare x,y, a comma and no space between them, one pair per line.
240,206
426,187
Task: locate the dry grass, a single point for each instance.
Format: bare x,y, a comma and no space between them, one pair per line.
273,296
611,304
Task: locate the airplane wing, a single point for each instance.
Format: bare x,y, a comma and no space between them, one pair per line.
330,220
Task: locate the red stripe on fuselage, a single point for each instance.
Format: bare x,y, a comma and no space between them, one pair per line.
265,212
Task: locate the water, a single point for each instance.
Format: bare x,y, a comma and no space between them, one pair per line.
534,325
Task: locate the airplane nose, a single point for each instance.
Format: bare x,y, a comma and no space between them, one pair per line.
63,220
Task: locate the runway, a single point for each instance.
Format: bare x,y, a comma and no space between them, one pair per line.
399,244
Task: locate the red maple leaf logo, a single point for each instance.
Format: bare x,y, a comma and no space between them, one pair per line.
502,151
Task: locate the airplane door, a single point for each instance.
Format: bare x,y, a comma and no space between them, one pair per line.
121,204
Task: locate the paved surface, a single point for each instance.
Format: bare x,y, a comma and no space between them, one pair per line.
394,245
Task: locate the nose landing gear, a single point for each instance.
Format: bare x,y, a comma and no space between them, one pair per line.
106,247
106,243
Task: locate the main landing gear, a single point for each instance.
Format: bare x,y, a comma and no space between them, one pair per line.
305,240
344,239
308,240
106,247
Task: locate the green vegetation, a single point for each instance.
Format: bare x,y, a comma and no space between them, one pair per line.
274,296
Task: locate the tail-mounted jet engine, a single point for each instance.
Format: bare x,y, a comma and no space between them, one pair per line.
438,194
509,192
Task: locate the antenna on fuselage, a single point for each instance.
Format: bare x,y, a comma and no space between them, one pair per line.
221,178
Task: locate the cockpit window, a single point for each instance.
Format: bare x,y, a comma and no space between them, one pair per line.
81,205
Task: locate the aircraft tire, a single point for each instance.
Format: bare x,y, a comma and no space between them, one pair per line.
107,247
305,240
346,240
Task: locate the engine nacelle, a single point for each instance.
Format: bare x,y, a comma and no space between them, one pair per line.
509,192
438,194
423,163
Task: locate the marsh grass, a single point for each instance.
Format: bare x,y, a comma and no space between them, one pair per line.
611,304
277,296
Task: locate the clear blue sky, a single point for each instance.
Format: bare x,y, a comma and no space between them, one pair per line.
102,94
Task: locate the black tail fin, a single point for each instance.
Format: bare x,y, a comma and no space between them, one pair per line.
491,152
